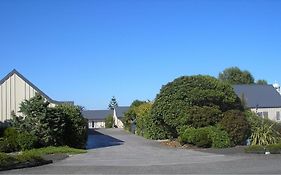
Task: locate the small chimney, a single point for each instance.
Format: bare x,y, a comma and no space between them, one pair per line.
277,87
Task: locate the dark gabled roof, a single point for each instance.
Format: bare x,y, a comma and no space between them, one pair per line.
96,114
34,87
261,96
121,110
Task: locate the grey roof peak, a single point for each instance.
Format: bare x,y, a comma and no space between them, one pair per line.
14,71
262,96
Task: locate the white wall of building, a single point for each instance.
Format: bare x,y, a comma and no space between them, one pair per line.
272,113
117,122
96,124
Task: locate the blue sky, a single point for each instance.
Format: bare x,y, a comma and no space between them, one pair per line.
90,50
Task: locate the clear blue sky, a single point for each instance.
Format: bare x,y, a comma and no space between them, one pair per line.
90,50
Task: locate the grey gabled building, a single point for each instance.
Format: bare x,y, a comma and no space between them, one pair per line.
96,118
261,99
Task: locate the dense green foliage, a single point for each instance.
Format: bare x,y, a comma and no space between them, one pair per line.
198,117
234,75
190,101
109,122
130,116
262,82
235,124
27,141
9,141
76,126
143,119
53,126
205,137
139,115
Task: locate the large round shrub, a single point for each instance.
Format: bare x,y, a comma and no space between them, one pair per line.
173,104
235,124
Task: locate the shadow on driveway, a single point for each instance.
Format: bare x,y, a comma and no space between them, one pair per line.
98,140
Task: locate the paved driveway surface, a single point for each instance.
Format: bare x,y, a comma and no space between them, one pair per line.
113,151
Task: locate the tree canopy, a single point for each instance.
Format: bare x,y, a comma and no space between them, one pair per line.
234,75
262,82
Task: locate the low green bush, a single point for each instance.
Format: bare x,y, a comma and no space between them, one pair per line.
205,137
199,137
27,141
13,141
9,142
202,138
109,121
220,138
186,135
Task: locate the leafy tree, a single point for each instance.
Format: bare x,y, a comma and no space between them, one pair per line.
142,118
234,75
172,108
130,116
76,126
40,120
53,126
113,103
109,121
262,82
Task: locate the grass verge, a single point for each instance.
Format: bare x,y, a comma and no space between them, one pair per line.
258,149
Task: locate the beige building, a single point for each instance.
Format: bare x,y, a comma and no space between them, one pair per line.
14,89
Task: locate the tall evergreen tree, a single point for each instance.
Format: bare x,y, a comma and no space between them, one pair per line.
113,103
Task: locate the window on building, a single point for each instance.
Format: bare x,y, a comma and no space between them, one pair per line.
265,115
277,115
259,114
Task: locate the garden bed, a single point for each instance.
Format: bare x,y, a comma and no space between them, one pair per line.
35,157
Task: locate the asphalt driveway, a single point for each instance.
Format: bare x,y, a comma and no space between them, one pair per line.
114,151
